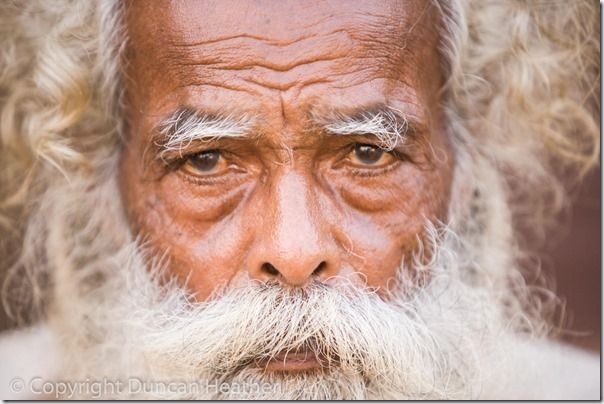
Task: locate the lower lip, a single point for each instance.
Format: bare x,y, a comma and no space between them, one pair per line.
292,362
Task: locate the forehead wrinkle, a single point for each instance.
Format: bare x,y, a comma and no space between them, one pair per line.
250,55
242,38
298,73
401,41
382,40
376,41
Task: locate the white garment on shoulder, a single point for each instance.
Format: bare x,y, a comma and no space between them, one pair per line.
544,370
27,355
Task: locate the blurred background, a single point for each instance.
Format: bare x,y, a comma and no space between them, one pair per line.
574,257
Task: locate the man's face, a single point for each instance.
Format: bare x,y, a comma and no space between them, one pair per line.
257,132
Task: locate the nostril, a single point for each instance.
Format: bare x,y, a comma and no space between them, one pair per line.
270,269
320,268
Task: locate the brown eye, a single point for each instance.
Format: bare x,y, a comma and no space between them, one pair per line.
206,162
367,154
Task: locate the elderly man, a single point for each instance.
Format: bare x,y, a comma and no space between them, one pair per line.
290,200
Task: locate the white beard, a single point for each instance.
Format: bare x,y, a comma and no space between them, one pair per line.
428,343
116,320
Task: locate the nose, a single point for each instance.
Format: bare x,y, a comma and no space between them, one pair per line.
293,246
293,273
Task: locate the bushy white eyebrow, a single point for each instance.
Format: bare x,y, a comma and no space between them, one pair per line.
185,126
388,125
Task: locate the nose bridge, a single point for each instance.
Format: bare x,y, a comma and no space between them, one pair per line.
294,243
295,223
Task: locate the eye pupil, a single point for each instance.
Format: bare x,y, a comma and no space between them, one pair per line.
205,161
368,154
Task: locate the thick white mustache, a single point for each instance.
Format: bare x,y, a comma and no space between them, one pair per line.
428,341
353,327
419,346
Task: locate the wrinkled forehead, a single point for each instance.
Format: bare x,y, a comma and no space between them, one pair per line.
194,37
188,21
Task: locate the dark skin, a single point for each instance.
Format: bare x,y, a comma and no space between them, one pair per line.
292,203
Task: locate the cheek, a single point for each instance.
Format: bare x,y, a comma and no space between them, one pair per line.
187,225
196,205
202,255
385,217
209,260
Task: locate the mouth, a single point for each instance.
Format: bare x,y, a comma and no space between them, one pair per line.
292,361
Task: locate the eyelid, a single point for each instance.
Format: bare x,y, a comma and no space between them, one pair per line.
371,166
400,152
373,171
344,162
221,165
170,156
369,139
222,175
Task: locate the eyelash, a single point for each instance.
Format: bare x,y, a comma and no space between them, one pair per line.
175,163
374,172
